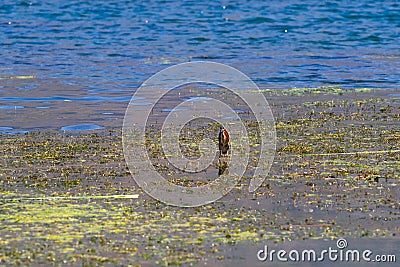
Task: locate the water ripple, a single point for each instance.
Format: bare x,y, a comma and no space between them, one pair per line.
275,43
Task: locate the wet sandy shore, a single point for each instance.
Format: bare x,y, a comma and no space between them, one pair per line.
335,175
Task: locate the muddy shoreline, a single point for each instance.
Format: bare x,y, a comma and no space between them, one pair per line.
335,175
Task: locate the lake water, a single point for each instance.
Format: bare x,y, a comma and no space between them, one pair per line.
101,51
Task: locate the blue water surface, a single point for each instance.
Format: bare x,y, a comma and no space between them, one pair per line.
81,127
109,46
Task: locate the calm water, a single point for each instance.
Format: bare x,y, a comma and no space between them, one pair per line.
100,51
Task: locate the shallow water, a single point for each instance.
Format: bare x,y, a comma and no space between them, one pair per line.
98,53
81,127
10,130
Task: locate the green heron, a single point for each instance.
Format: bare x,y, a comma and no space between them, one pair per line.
223,141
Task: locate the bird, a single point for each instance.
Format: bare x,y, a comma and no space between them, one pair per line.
223,141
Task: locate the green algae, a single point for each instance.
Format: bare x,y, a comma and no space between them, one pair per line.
62,197
326,90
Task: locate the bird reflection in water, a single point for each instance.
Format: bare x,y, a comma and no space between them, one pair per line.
223,145
223,165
